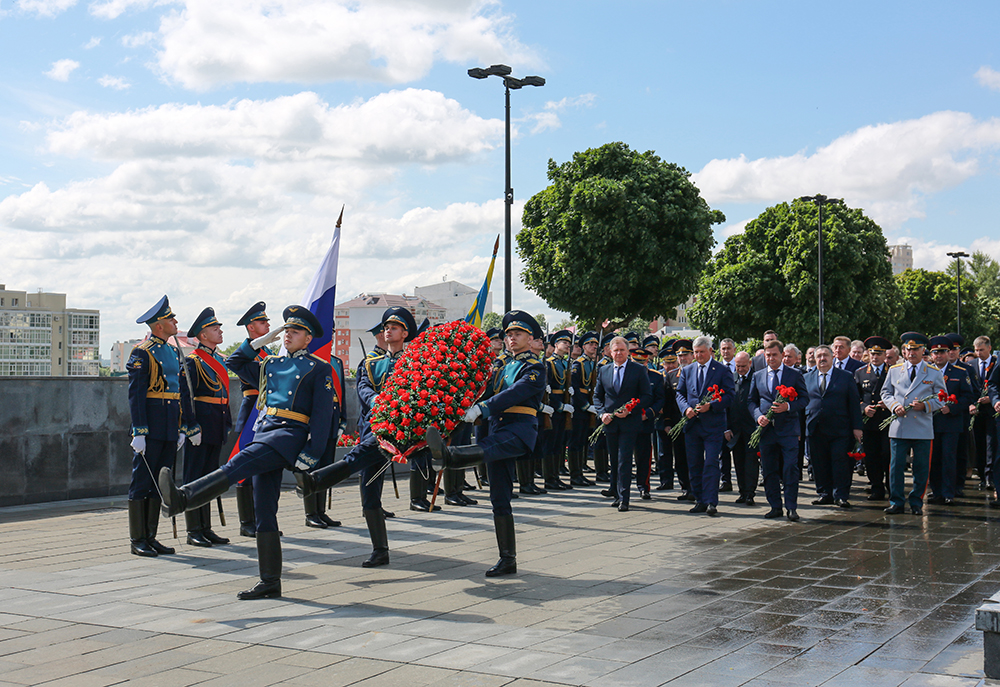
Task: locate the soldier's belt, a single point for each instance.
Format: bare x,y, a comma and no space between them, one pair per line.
170,395
217,400
288,414
251,392
557,391
520,410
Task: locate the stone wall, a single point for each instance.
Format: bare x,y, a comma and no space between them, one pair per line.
68,437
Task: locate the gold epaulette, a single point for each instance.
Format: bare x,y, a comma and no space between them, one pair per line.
146,344
933,367
897,365
313,355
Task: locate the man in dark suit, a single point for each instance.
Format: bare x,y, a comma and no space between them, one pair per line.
833,425
779,440
617,384
875,441
705,430
842,355
949,424
758,360
683,355
644,439
739,427
962,457
984,429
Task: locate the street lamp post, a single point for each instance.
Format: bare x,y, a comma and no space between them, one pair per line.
958,255
820,201
510,83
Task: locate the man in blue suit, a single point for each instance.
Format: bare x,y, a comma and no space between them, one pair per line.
779,441
950,423
705,430
617,384
842,355
833,426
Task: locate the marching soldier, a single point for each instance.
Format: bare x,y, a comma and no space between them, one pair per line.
296,404
559,377
510,404
585,415
208,379
159,403
874,441
245,363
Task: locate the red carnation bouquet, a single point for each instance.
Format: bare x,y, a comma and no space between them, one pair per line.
440,374
945,398
712,393
858,454
345,440
892,418
628,408
786,394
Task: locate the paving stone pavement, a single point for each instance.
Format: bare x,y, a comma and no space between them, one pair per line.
649,597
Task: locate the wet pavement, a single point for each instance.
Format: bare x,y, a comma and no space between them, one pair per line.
649,597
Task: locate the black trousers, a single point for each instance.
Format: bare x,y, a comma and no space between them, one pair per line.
832,467
159,454
747,464
643,453
876,447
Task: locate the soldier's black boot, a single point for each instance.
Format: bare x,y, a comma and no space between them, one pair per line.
206,527
526,479
453,456
380,539
190,496
269,564
195,528
137,534
308,483
577,479
507,565
418,492
244,508
153,524
550,471
311,505
452,488
321,509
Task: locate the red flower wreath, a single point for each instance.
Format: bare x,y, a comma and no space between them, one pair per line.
440,374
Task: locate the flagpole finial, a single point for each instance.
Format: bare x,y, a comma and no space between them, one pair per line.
496,246
341,218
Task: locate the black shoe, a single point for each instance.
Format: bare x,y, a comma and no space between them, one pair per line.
644,495
917,510
936,500
823,501
843,503
893,510
741,499
623,508
505,566
388,513
248,530
699,508
616,503
580,481
712,510
876,497
665,487
602,477
313,520
949,502
380,539
214,538
556,485
197,539
750,501
686,496
261,590
773,513
159,548
454,501
423,505
378,558
330,522
608,493
467,500
793,516
531,490
152,524
726,486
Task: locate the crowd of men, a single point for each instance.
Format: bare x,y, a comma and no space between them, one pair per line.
677,410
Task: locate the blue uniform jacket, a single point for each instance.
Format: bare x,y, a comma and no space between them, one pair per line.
584,378
651,413
762,398
559,374
372,375
689,396
158,397
514,394
634,384
245,364
211,400
838,411
296,406
958,382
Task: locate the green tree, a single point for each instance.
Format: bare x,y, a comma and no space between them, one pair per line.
765,278
491,320
616,235
927,302
540,319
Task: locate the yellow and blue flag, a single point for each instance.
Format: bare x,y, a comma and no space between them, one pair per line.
475,316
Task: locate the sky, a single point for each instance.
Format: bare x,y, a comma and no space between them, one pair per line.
204,149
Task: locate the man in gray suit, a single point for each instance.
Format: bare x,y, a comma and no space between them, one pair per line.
910,392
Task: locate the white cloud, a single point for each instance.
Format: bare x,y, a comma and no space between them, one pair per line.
206,44
115,82
45,8
112,9
549,117
733,229
886,168
988,77
61,69
92,43
138,39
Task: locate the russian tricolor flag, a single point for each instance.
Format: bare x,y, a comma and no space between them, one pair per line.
321,297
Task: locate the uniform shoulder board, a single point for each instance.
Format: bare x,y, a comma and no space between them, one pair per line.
532,361
933,366
313,355
145,345
897,365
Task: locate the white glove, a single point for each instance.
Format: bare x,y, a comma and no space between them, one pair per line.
570,392
548,410
196,439
567,408
181,438
591,409
548,388
139,444
472,413
262,341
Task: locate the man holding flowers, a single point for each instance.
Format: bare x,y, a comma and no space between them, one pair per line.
950,423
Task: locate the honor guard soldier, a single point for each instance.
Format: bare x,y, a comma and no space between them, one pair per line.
245,363
367,457
652,345
296,405
559,377
209,381
585,415
632,339
379,333
643,450
315,506
496,340
910,391
950,424
530,463
874,441
602,465
509,404
156,396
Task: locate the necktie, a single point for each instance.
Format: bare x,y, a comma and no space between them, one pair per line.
774,381
701,377
983,366
618,377
913,373
822,383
